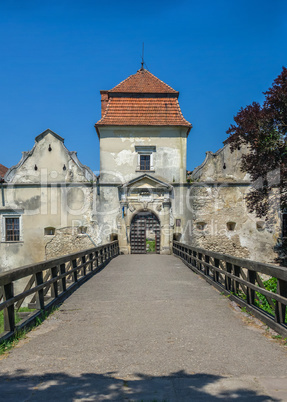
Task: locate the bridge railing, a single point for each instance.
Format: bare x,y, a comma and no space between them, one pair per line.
245,282
40,286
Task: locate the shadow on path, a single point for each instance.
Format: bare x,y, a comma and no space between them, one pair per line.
177,386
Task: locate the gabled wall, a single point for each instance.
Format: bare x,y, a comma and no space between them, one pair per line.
217,214
48,188
49,162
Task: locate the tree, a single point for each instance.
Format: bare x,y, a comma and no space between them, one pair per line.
263,130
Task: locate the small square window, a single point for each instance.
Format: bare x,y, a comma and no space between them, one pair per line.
12,229
201,225
49,231
144,162
231,226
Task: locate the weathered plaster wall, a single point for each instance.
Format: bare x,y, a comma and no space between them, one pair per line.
49,197
40,207
119,157
221,166
107,212
216,202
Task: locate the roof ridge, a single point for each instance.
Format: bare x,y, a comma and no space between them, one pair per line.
160,80
126,79
137,82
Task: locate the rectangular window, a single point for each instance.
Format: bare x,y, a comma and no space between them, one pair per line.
144,162
178,222
12,226
145,158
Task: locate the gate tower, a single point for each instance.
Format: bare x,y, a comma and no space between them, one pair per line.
142,135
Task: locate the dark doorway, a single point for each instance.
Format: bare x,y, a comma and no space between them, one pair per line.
145,234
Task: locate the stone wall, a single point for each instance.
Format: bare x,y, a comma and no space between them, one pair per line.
218,216
67,241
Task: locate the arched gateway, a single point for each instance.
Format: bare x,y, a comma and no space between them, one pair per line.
145,233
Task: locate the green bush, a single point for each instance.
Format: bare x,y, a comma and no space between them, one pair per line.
262,302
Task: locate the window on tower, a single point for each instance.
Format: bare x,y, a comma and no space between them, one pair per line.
145,160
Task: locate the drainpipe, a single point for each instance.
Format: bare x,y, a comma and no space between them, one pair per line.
86,234
2,192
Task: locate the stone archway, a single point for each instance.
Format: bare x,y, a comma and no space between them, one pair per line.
145,233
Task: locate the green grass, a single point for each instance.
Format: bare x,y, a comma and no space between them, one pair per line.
17,316
151,248
5,346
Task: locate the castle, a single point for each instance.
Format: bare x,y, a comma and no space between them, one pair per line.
51,204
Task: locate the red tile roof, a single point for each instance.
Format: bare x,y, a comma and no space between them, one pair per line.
3,170
144,112
143,82
141,100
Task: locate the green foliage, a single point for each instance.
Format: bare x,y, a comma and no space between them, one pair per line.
1,321
5,346
277,336
150,246
262,302
263,129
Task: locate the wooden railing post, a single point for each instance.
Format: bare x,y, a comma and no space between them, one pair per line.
206,268
199,263
97,259
234,283
188,256
75,273
63,285
215,273
54,286
251,276
110,251
194,260
40,293
9,314
84,262
91,257
280,309
227,279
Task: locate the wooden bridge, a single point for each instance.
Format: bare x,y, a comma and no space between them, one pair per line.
145,327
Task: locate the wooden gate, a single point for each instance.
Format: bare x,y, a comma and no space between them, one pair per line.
142,223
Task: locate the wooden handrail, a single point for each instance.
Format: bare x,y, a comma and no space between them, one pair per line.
240,279
56,276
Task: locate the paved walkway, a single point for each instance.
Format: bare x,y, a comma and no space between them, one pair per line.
145,328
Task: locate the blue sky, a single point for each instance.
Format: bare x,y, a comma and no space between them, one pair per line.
56,56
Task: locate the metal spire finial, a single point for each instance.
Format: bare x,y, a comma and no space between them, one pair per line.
142,63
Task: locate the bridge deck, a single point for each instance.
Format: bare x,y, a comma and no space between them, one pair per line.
145,328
